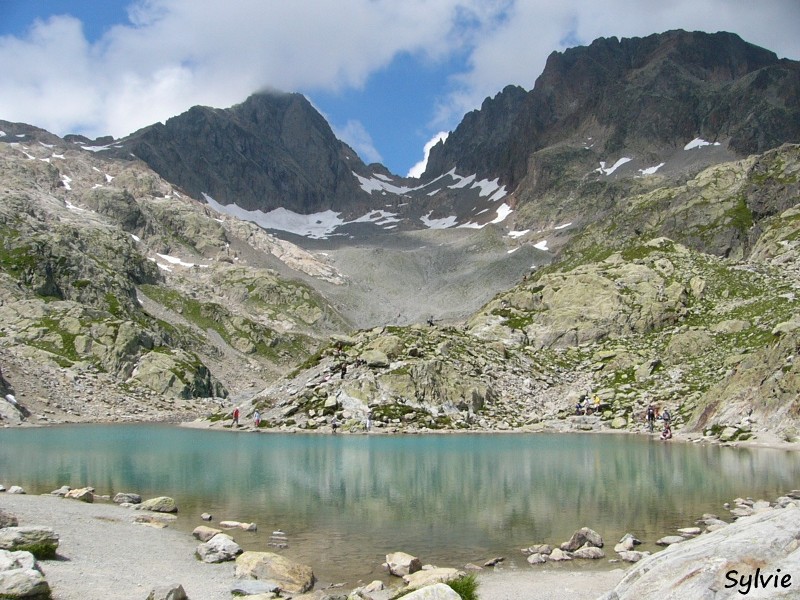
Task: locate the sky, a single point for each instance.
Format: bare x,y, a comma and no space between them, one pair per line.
389,76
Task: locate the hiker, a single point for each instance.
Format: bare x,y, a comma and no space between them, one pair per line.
596,404
666,417
651,418
368,424
334,424
667,433
235,420
257,419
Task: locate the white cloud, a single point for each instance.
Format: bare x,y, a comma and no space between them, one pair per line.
418,169
357,137
173,54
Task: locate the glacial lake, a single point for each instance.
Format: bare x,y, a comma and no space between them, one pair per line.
345,501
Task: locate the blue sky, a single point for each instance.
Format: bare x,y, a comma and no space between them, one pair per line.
389,76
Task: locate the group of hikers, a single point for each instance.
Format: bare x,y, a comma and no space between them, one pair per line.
587,407
652,414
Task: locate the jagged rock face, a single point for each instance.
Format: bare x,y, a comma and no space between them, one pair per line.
645,93
273,150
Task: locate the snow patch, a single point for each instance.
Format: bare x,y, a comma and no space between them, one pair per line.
379,217
699,143
651,170
518,234
445,223
461,182
66,181
542,246
173,260
380,184
609,170
316,226
502,212
564,226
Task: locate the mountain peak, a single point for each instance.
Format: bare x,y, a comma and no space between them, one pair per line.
645,93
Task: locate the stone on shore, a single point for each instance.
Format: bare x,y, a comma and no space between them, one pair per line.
7,520
127,498
173,591
400,564
42,542
62,491
426,577
437,591
582,537
163,504
15,489
204,533
220,548
290,576
85,494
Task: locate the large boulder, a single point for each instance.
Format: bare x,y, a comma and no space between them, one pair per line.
426,577
290,576
42,542
713,565
20,577
401,564
220,548
437,591
163,504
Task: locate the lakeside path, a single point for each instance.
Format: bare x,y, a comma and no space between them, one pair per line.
103,555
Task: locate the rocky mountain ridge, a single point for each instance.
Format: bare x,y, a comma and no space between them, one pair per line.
127,298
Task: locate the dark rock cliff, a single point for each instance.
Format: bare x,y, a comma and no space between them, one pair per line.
273,150
648,94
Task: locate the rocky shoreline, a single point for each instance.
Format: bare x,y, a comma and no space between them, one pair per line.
63,546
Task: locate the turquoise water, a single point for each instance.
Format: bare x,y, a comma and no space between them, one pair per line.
345,501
